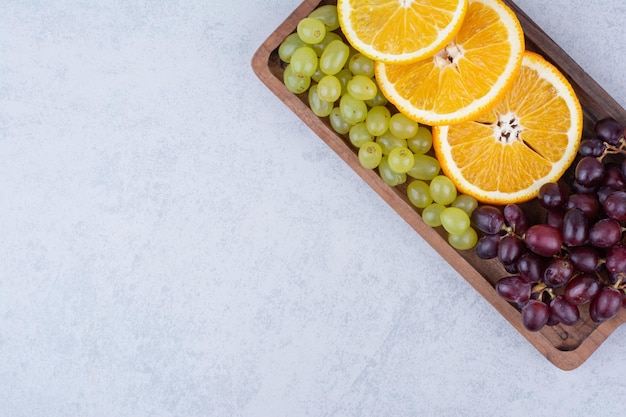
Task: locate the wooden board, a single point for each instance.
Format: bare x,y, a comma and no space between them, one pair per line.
567,347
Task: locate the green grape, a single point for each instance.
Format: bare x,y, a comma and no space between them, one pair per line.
319,47
353,110
328,15
422,141
370,155
390,177
389,141
378,100
465,241
402,126
318,75
338,123
359,135
295,83
334,57
442,190
311,30
425,167
465,202
377,120
401,160
359,64
304,61
319,107
288,46
431,214
454,220
362,87
352,52
329,88
419,194
344,76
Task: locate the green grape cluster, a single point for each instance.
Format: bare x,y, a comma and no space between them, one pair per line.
341,85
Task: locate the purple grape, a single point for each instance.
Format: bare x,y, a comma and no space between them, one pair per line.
554,218
511,268
613,178
606,304
552,196
535,315
616,260
578,188
605,233
588,203
530,267
615,205
591,147
564,311
516,218
609,130
552,319
582,288
513,289
584,258
558,272
620,278
589,171
487,246
575,227
510,249
603,192
488,219
544,240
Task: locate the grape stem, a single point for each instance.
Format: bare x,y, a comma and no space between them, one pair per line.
618,284
612,150
541,288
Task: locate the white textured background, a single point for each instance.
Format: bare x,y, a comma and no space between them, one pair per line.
175,242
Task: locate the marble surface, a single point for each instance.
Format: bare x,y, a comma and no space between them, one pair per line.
175,242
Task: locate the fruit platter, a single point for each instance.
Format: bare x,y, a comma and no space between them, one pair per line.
486,138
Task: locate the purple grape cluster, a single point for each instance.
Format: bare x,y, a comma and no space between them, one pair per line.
575,255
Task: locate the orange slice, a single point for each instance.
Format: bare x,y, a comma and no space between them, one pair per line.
465,78
529,138
400,31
